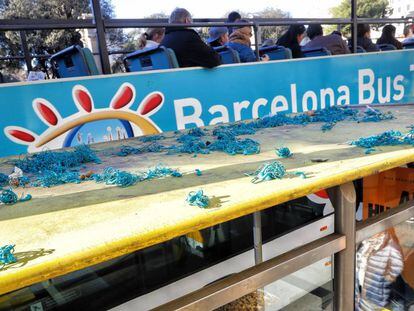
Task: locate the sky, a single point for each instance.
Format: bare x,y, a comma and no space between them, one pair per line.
217,8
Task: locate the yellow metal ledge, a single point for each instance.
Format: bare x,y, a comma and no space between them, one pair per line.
68,228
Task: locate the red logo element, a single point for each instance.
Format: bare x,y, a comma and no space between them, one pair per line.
124,97
119,109
83,98
22,135
152,103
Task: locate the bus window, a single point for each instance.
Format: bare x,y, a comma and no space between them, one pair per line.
155,275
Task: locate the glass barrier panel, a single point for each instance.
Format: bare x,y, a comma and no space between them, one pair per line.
385,270
310,288
155,275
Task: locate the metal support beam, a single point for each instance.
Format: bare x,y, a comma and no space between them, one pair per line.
256,40
26,51
257,238
384,221
247,281
100,31
354,18
343,198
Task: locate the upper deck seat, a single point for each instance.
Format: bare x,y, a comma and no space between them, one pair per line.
409,45
227,55
386,47
315,52
74,61
359,49
151,59
276,52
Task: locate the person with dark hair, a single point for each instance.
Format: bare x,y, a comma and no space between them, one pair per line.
239,40
332,42
233,17
292,38
187,45
218,36
151,38
409,34
388,37
364,38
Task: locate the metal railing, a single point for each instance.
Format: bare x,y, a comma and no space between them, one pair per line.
342,244
101,24
235,286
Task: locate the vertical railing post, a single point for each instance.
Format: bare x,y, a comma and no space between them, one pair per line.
256,40
257,238
354,18
343,199
100,31
26,52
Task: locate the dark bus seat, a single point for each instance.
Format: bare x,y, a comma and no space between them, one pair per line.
74,61
316,52
386,47
276,52
150,59
409,45
360,49
227,55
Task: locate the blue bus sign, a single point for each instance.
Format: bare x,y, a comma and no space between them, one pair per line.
62,113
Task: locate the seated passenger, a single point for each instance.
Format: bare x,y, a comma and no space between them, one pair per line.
239,40
268,42
292,38
218,36
409,34
388,37
189,48
151,38
332,42
233,17
364,38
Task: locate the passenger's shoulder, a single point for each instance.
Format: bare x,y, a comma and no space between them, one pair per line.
334,38
236,45
191,33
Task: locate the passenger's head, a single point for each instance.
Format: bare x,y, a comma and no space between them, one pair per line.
364,31
336,32
242,34
233,17
218,36
408,31
388,32
296,33
314,30
153,34
180,16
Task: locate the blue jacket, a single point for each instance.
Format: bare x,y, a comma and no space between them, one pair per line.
246,54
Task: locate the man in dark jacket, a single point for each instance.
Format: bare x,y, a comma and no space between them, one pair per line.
187,45
332,42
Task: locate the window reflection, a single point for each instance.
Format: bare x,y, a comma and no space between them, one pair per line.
385,270
307,289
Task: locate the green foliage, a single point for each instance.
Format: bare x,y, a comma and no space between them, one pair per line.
365,9
48,41
271,32
267,32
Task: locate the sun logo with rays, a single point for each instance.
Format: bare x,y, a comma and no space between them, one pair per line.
90,124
